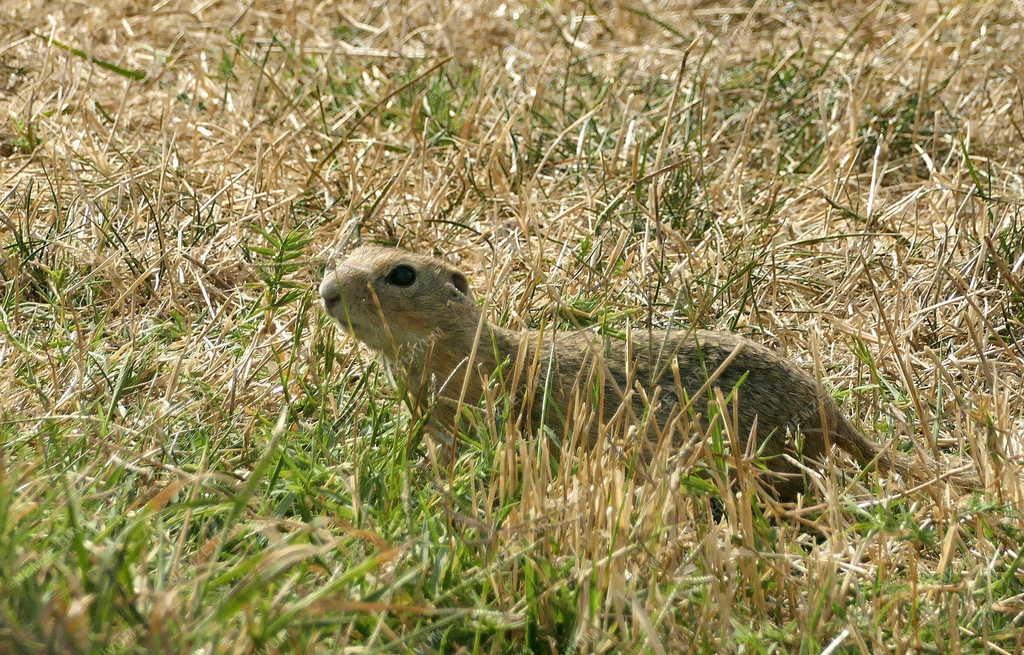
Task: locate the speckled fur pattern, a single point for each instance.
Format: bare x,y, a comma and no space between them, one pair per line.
431,332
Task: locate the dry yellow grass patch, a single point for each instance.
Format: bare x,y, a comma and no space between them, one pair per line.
840,180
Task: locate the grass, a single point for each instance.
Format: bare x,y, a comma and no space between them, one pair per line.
192,459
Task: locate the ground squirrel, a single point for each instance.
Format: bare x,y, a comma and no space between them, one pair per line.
419,313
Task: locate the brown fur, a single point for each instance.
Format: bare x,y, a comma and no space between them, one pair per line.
432,332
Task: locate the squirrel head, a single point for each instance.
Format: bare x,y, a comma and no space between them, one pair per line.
390,298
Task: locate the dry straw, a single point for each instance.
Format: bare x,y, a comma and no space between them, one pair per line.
842,181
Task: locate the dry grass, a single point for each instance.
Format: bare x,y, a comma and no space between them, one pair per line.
191,461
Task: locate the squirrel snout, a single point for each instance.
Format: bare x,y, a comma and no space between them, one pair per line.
330,291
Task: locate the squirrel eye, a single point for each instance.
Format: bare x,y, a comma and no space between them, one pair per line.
401,276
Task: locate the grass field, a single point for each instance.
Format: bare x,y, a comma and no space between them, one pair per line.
194,460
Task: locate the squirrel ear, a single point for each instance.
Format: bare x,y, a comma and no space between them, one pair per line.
461,284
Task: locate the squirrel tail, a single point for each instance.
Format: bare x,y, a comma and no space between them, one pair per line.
865,451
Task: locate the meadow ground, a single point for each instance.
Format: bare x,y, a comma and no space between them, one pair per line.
193,460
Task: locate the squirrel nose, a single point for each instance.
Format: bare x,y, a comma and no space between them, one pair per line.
329,290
